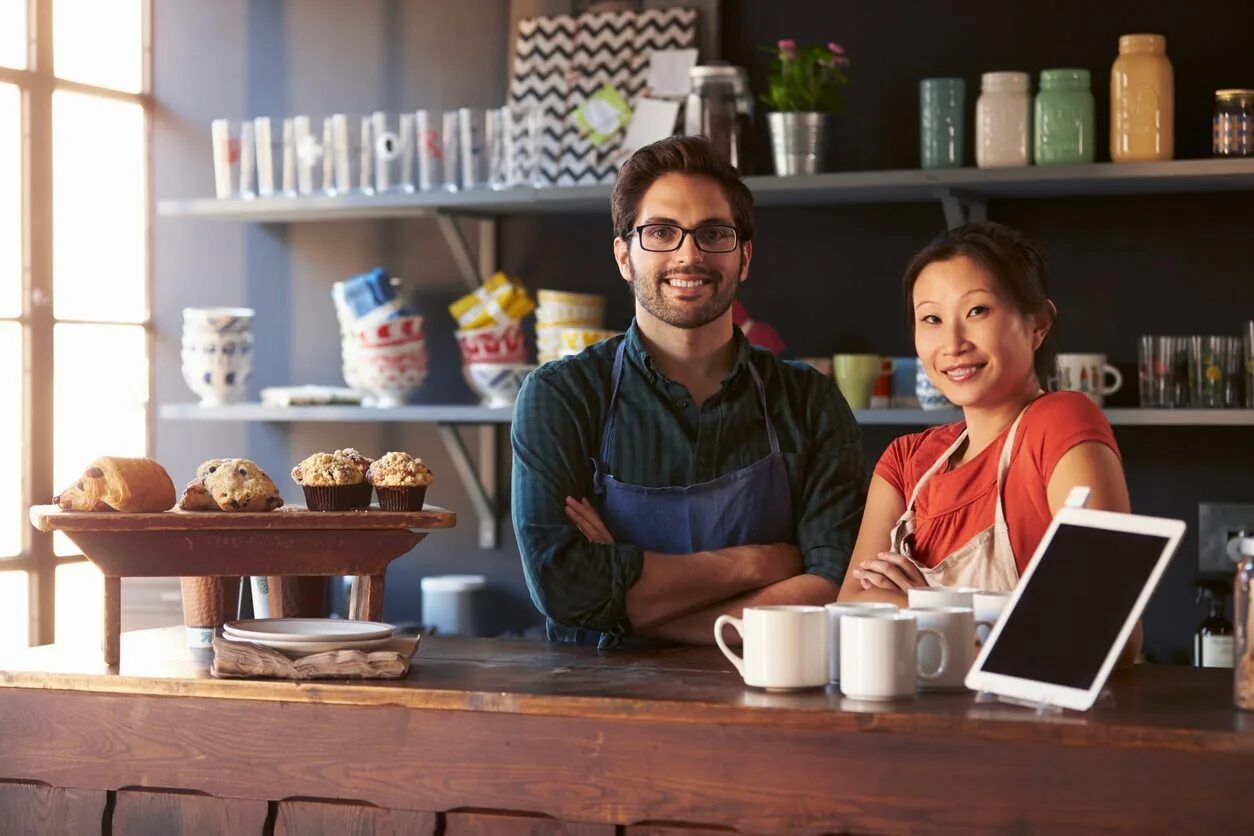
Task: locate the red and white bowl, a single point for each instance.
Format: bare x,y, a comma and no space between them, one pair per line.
494,344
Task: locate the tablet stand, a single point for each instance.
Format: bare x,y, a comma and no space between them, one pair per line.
1041,707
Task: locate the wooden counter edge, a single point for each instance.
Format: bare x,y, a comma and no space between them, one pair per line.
1068,730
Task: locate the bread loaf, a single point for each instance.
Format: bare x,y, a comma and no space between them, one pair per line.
111,483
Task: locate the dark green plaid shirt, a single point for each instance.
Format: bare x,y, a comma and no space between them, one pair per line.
660,439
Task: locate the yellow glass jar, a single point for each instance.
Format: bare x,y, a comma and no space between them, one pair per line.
1142,101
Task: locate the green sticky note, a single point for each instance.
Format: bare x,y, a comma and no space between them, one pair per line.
603,114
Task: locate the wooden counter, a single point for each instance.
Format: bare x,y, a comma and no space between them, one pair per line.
519,737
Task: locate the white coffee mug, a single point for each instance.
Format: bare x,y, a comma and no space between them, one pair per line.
834,613
879,655
988,608
941,596
957,625
1087,373
785,647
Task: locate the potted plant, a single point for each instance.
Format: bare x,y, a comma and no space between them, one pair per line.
804,92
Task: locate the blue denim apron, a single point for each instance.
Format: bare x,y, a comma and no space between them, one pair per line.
750,506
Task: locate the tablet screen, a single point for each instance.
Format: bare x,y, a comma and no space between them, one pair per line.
1074,605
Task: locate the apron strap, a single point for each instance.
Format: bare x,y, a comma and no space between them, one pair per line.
607,432
766,413
1003,465
937,465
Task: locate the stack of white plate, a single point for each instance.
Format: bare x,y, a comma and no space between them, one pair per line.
302,636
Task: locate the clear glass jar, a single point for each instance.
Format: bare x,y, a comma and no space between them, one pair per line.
1234,123
720,108
1243,628
1142,101
1063,124
1002,116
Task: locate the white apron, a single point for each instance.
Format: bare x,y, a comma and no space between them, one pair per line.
987,560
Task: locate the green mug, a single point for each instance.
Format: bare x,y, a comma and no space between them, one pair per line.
855,374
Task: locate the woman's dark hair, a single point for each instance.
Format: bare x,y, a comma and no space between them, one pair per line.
1015,264
682,155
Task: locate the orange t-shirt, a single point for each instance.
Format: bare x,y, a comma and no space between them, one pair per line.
957,504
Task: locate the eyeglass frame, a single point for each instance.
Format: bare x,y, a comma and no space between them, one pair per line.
684,233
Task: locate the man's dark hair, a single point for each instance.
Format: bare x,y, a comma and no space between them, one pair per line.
692,155
1014,263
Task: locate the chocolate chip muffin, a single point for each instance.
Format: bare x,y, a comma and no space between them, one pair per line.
401,481
231,485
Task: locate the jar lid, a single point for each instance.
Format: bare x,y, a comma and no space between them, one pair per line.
1005,81
453,583
1142,43
1247,546
1233,93
1067,77
715,71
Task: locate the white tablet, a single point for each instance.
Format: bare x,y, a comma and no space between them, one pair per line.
1079,600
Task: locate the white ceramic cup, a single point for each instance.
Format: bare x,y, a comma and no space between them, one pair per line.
957,625
941,596
1088,373
785,647
879,655
834,613
988,608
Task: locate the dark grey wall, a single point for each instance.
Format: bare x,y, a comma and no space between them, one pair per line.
828,278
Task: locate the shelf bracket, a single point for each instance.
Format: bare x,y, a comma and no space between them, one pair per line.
472,274
962,207
483,482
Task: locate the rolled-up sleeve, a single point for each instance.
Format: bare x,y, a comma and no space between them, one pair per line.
834,489
572,582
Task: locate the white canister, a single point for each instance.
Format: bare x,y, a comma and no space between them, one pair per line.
448,604
1003,120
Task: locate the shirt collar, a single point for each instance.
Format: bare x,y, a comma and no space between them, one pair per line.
637,352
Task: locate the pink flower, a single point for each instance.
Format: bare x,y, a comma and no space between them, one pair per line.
835,48
787,45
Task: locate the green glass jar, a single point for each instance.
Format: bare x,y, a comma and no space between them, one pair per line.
1064,122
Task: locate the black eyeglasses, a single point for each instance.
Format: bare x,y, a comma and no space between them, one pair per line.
666,238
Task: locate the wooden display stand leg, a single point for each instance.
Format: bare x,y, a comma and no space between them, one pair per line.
275,582
111,641
372,598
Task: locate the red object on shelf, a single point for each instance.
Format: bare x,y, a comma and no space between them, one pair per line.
758,333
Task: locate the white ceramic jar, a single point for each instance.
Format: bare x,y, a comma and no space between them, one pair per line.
1002,120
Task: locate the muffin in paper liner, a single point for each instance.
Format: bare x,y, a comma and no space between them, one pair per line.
332,497
405,498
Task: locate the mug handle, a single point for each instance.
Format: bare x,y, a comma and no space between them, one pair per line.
928,676
719,624
1117,385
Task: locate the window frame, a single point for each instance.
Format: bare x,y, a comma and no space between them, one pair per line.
36,85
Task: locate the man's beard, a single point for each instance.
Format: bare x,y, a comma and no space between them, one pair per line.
651,295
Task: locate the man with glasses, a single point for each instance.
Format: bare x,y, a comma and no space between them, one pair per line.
674,474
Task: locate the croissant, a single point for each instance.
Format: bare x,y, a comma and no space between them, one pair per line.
117,484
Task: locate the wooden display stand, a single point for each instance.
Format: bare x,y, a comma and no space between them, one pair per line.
289,541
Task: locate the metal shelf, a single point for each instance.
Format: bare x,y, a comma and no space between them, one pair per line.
969,186
481,415
337,414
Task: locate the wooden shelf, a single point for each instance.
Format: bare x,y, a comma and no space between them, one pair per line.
900,186
252,412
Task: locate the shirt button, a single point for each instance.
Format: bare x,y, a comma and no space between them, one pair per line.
681,404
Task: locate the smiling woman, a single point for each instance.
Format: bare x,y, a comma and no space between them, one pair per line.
966,504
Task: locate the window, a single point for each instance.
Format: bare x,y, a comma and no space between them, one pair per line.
74,319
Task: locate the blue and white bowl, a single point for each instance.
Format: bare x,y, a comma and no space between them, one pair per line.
497,384
930,398
218,320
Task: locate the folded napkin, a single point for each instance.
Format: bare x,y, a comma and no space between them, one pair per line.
245,660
